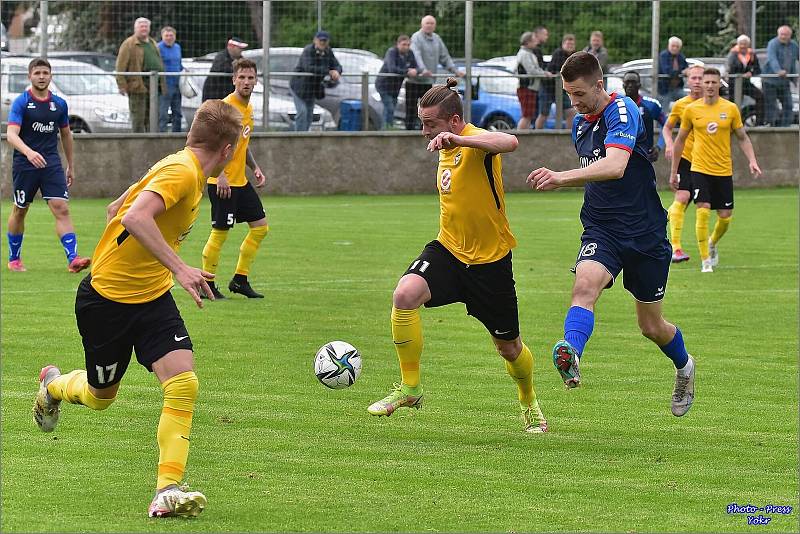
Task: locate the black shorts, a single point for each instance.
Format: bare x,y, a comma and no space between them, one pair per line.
244,205
644,261
487,289
51,181
715,190
685,175
111,330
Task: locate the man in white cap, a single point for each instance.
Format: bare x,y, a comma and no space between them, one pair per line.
221,86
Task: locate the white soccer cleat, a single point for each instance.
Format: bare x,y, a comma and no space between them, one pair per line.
683,392
175,502
707,267
713,253
45,408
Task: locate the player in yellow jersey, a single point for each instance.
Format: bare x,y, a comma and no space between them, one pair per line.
233,198
125,303
712,120
470,260
683,189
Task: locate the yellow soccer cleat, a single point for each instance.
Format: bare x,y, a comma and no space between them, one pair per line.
533,420
400,397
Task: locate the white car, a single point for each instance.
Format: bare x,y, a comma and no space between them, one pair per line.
282,110
94,102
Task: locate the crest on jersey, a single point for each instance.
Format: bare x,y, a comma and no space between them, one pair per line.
52,106
712,127
458,158
596,151
445,181
246,131
723,116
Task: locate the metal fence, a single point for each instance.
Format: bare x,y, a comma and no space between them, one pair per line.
482,38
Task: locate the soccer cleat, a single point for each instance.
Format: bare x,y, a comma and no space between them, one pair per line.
565,358
397,398
175,502
243,288
45,408
683,393
533,421
78,264
215,291
679,255
707,267
713,253
16,266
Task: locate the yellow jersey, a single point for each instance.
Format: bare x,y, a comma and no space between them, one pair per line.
235,168
122,269
675,118
472,221
712,126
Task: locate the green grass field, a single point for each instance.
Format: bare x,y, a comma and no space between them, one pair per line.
275,451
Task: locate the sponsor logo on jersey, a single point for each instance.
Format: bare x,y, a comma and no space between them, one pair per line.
586,161
458,158
43,128
626,136
246,131
446,180
712,127
31,105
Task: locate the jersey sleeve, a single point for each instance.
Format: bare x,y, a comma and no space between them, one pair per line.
575,122
623,120
172,182
17,110
63,118
675,115
736,117
686,118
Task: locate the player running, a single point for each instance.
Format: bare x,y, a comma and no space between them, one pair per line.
125,303
624,224
712,119
35,120
650,108
233,198
683,189
470,260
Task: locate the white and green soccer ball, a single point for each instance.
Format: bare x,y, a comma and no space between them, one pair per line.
337,364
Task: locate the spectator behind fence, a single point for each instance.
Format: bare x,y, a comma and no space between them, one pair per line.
398,60
782,56
541,34
171,101
318,59
742,60
528,64
219,87
597,49
139,53
548,88
430,52
650,110
671,62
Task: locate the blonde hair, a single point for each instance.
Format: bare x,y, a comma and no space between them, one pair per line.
449,101
216,124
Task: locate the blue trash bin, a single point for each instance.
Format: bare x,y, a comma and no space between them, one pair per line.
350,115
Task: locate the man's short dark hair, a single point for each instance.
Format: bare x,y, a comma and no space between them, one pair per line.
712,71
581,65
244,63
39,62
402,37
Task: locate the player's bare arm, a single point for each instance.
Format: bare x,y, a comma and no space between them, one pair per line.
36,159
611,167
223,186
113,208
666,135
677,152
747,148
140,222
67,143
250,161
491,142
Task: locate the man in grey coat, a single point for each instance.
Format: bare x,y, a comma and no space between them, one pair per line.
430,52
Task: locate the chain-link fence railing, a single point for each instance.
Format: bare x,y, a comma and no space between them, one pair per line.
84,40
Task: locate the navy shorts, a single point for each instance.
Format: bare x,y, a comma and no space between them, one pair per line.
645,261
685,176
51,181
244,205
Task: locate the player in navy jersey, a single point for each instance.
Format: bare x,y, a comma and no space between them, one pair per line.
34,122
624,224
650,109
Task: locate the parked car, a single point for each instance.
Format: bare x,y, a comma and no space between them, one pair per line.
107,62
94,102
3,38
509,63
281,108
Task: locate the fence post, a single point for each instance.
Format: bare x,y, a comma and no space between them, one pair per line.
365,100
266,38
44,36
468,61
319,15
654,40
753,9
559,102
153,96
737,91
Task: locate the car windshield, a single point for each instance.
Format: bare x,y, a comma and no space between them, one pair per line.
83,81
504,84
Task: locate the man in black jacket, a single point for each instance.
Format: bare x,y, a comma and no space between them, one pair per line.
221,86
398,60
742,60
318,60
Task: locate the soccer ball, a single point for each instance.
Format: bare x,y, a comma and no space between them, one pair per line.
337,364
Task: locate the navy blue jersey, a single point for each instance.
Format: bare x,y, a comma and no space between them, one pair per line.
39,122
628,206
650,109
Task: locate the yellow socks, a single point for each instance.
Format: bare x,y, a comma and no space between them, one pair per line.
212,250
247,252
720,228
174,427
521,370
676,212
701,229
74,388
407,337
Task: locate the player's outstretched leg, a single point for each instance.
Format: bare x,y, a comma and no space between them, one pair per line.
55,387
578,327
521,370
676,215
566,359
46,409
